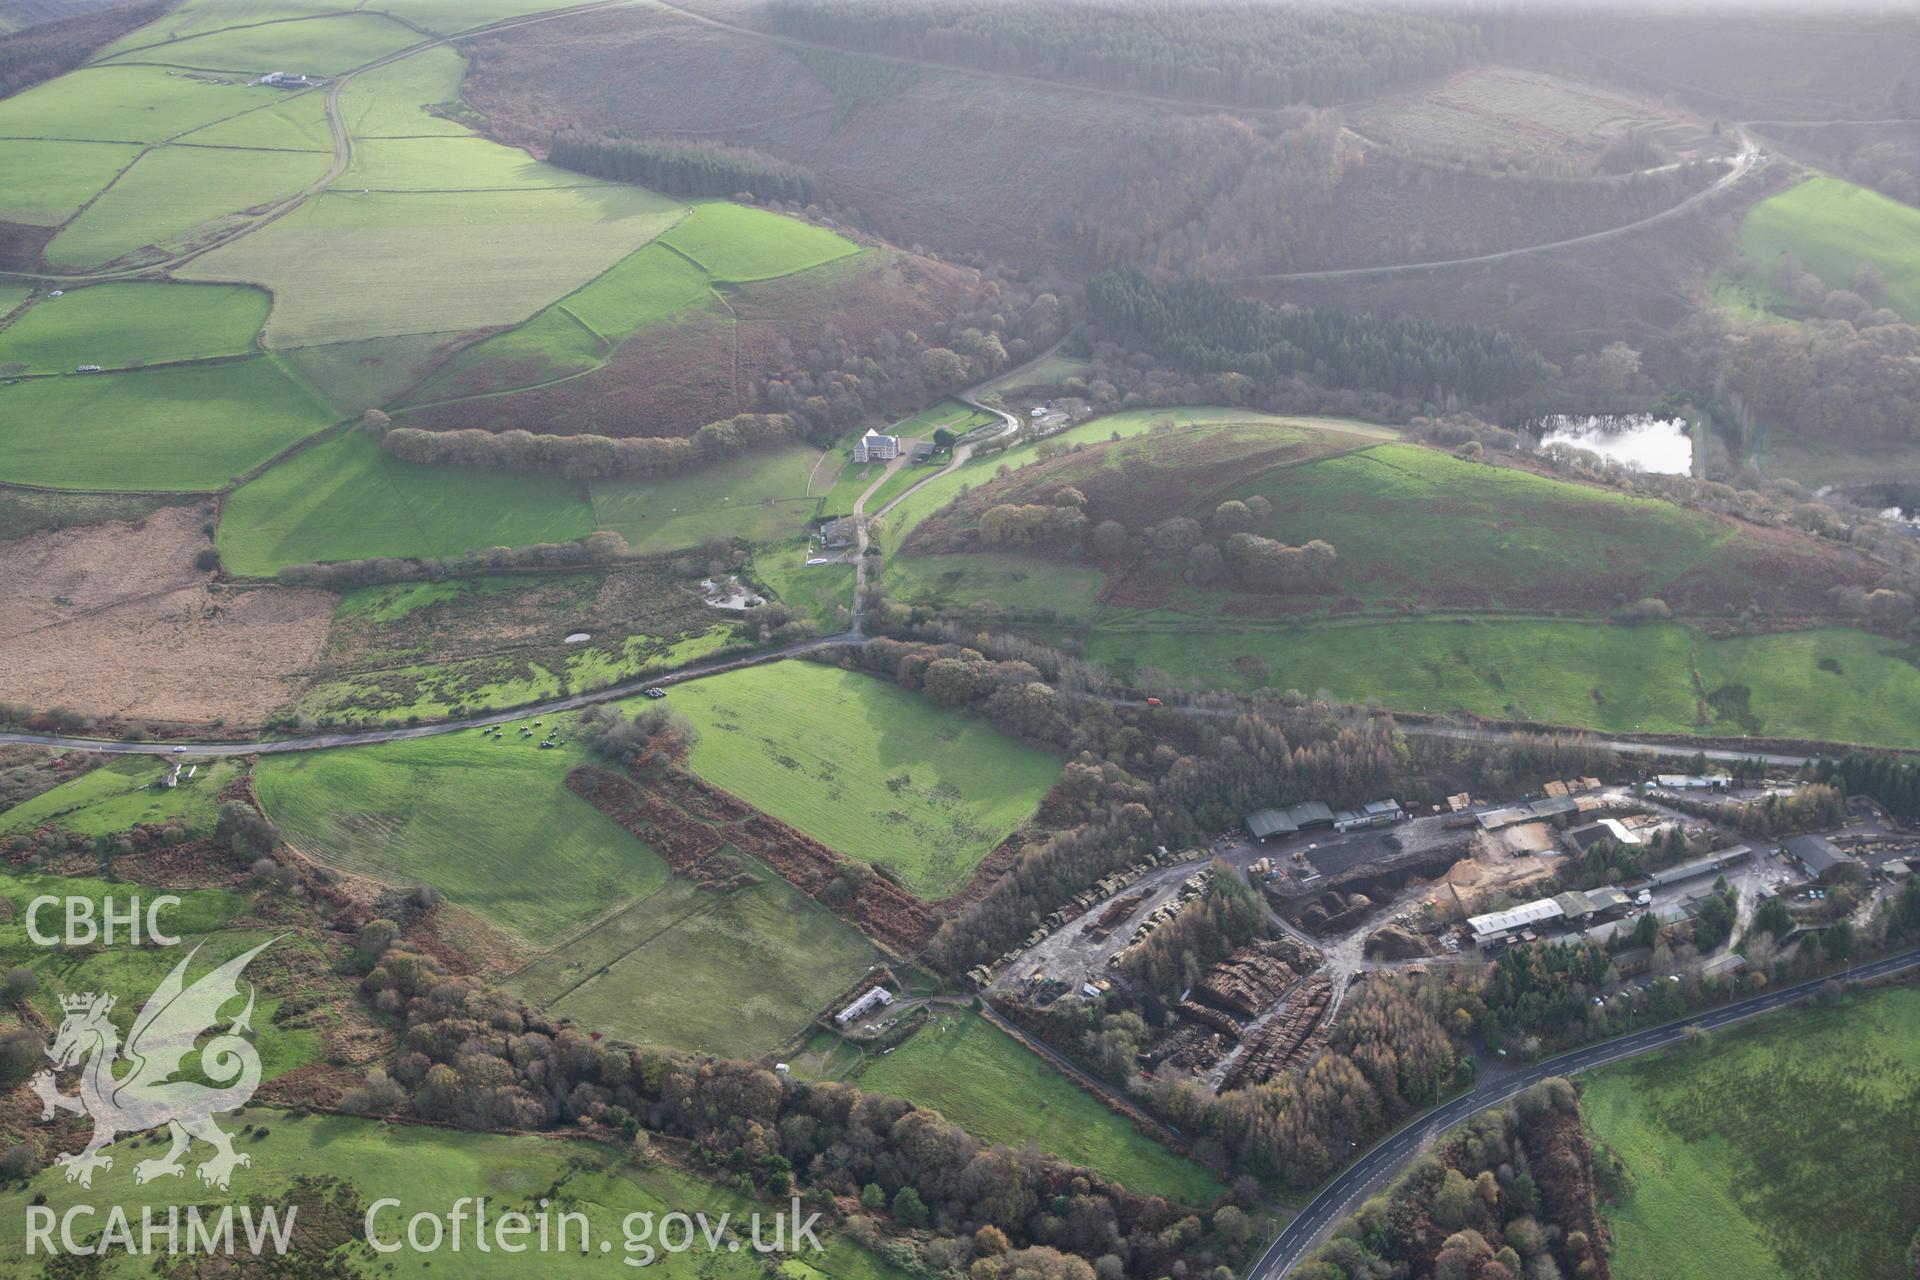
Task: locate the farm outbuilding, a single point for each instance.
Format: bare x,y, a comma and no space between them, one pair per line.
878,998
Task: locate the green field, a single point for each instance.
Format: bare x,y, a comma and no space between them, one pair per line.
349,265
823,592
198,17
985,1081
760,495
1832,227
128,104
452,164
347,499
1829,684
1782,1150
389,102
865,767
369,373
174,195
652,286
124,793
429,1170
738,244
987,580
121,324
954,415
203,918
297,123
749,968
489,823
323,46
189,428
48,181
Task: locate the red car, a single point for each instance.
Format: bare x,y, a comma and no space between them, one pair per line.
1153,702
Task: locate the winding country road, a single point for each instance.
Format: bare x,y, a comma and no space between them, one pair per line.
1374,1169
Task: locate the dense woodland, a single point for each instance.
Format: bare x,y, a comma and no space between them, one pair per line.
1219,51
684,168
1508,1197
1206,329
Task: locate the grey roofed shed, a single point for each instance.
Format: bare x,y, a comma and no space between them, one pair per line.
1309,812
1817,854
1270,822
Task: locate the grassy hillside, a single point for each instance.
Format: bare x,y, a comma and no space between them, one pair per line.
128,104
489,823
865,767
715,243
760,495
734,243
347,498
323,46
204,917
982,1079
428,1170
1743,1158
127,792
751,967
1833,227
354,265
1828,684
1416,526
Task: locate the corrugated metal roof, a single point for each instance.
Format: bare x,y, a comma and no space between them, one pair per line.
1270,822
1515,917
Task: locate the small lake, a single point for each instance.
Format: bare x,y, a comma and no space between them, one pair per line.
1661,446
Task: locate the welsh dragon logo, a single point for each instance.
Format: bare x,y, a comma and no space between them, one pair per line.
146,1095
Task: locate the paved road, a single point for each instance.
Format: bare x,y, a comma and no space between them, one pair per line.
1380,1163
344,738
320,741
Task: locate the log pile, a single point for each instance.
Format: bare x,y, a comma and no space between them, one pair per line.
1291,1038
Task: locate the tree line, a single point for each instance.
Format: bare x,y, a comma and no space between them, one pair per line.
335,575
588,457
682,167
1221,51
1202,328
